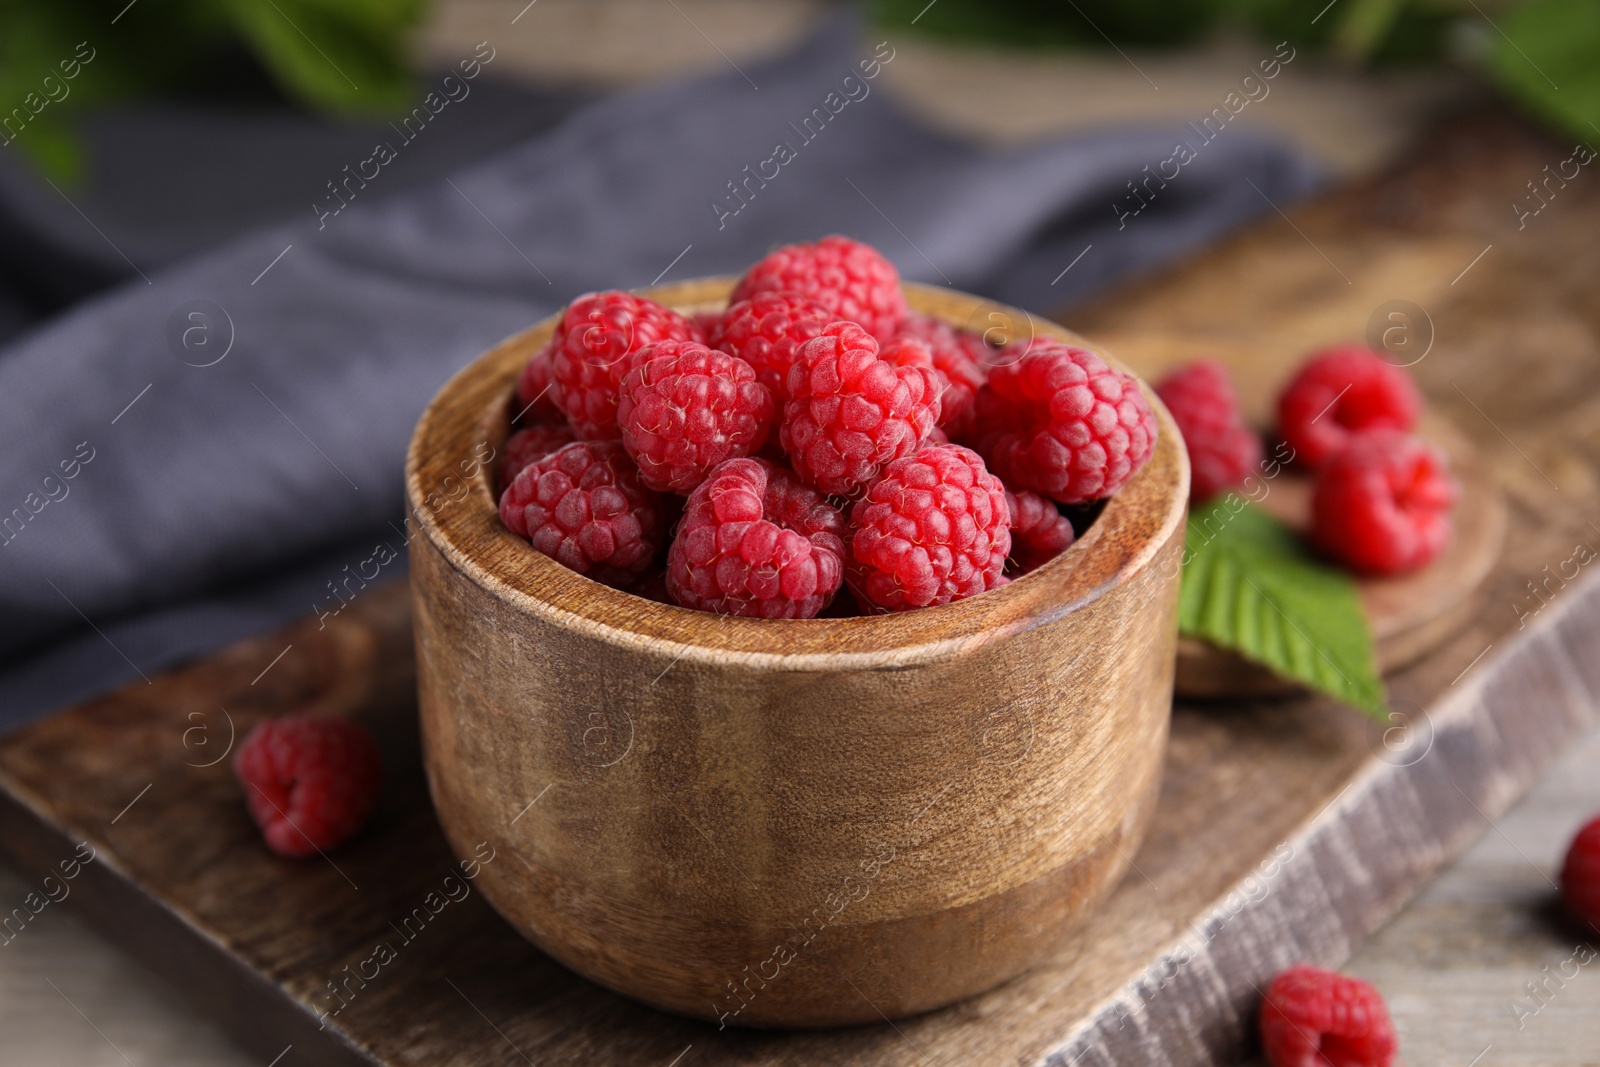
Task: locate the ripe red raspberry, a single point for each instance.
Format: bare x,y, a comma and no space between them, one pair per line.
1314,1018
935,528
755,541
1222,449
584,507
529,444
1039,533
536,392
592,351
686,408
1062,422
961,358
852,280
1382,503
849,412
310,782
766,330
1580,874
1338,392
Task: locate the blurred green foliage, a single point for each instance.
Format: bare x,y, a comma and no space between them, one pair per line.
338,56
1543,53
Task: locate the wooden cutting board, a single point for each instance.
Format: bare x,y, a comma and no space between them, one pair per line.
1287,829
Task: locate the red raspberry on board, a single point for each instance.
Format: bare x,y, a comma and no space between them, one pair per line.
935,528
1039,533
961,358
755,541
1381,504
1580,874
1222,449
592,350
1062,422
849,413
1340,391
584,506
685,408
529,444
851,279
1316,1018
767,329
536,392
310,782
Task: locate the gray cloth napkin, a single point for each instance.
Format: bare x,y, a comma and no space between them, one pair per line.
192,459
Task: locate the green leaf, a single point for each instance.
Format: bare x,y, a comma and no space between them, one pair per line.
1548,56
1250,585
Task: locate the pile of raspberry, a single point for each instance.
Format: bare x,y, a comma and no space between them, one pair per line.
816,435
1382,496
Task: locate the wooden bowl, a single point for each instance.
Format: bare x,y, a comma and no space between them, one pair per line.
801,823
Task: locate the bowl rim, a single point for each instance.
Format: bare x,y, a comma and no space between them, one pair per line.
471,412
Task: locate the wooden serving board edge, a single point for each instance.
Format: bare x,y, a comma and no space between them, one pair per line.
1494,731
261,1016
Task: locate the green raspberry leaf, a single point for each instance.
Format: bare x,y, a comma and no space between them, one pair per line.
1249,585
1546,57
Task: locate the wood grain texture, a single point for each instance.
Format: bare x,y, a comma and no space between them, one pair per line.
788,823
1285,829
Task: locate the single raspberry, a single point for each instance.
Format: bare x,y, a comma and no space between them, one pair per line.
584,507
1222,449
852,280
310,782
685,408
592,350
536,392
755,541
961,358
1580,874
529,444
1316,1018
1381,504
1338,392
1062,422
1039,532
766,330
935,528
849,412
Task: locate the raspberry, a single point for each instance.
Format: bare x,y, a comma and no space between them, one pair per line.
1062,422
1382,503
1222,449
767,329
849,412
755,541
935,528
685,408
1338,392
961,358
591,353
1580,874
529,444
583,506
852,280
1039,532
1314,1018
310,782
536,392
